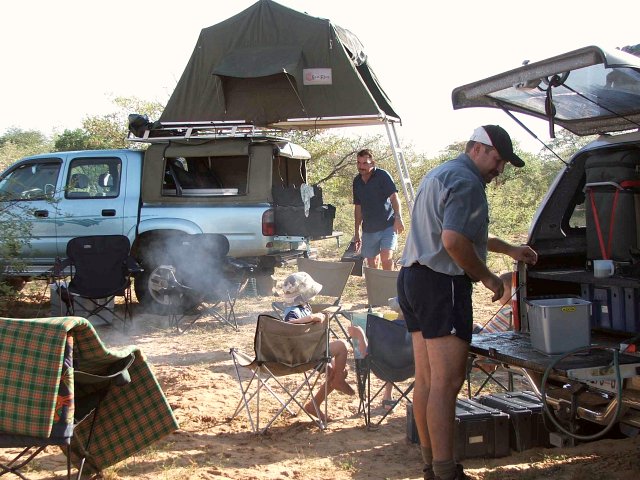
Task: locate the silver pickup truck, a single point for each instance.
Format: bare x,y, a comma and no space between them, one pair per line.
224,185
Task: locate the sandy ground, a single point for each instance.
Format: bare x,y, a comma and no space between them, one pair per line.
197,375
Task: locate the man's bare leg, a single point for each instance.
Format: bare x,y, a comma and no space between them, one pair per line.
447,358
421,389
372,262
386,258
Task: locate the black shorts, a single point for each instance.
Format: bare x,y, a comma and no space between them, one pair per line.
434,303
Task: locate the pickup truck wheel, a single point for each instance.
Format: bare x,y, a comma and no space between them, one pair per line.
149,287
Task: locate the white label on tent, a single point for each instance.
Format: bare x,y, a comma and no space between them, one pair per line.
317,76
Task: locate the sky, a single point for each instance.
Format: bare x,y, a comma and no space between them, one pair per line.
65,60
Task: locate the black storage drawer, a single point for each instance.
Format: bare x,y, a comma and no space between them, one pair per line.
527,429
291,221
481,431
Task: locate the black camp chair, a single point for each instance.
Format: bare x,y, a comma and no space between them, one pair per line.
390,358
200,279
101,269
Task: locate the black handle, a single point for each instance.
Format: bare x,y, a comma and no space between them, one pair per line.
108,213
41,213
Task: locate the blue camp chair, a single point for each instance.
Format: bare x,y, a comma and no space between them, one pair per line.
390,358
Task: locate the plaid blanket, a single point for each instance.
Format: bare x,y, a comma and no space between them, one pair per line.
32,365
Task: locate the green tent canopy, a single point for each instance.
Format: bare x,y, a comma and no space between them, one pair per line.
275,67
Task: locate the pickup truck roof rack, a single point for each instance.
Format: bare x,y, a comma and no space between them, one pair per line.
163,132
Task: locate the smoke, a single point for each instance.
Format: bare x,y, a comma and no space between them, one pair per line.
195,269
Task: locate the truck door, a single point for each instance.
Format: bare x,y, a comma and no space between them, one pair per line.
93,197
28,210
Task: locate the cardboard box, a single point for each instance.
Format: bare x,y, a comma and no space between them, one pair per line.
559,325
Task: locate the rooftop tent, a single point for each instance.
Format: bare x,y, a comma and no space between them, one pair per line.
275,67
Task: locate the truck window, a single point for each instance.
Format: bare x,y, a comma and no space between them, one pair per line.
205,176
93,178
289,172
578,217
30,181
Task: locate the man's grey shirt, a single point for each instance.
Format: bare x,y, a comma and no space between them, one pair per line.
450,197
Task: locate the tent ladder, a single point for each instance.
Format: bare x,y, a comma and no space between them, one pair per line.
401,164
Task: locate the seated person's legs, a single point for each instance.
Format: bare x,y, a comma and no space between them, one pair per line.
338,377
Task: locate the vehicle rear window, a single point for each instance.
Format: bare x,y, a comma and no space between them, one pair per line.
205,176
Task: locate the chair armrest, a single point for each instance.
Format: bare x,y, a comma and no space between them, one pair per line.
119,374
133,266
59,265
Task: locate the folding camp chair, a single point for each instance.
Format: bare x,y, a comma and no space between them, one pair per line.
390,358
200,279
333,277
283,349
33,424
489,370
381,286
101,269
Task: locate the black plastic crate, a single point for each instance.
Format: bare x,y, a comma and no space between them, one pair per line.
527,428
481,431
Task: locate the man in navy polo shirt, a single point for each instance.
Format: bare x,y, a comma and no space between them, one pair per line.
377,211
446,251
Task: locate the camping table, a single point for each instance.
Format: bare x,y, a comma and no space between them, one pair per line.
33,350
514,348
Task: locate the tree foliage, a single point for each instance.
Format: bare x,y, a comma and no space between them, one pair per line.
513,197
16,143
108,130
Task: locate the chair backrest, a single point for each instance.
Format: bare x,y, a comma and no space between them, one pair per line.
390,349
99,264
105,181
288,348
332,276
381,286
201,263
78,186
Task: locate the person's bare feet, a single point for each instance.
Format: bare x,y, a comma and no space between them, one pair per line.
310,409
340,384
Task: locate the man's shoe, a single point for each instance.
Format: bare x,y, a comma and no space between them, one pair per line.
460,475
428,472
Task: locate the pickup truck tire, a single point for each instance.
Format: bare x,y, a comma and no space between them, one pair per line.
143,294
